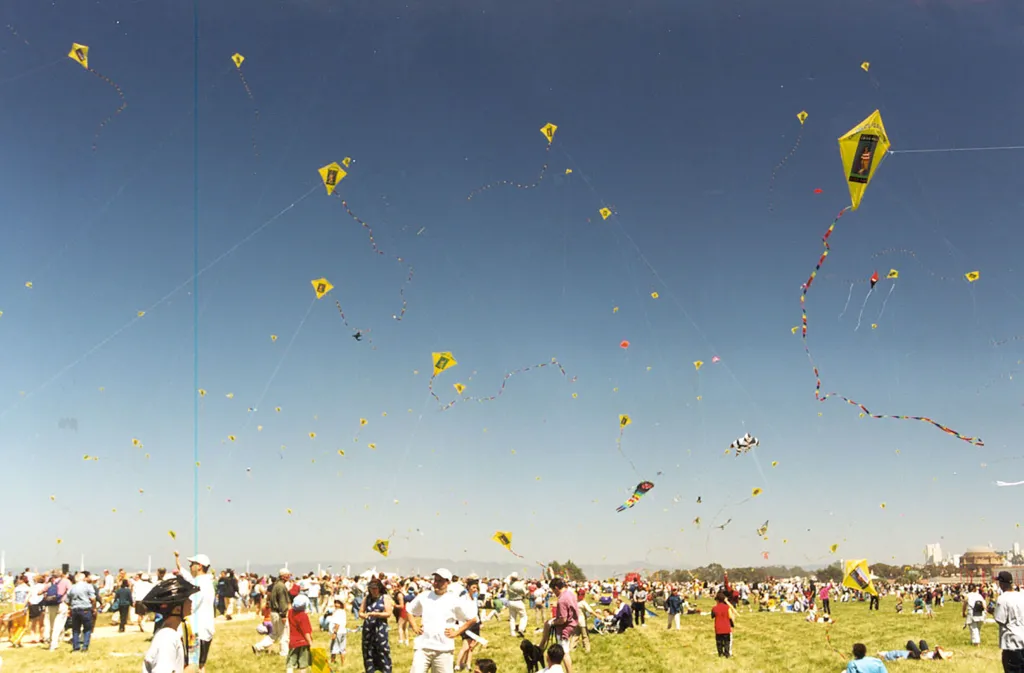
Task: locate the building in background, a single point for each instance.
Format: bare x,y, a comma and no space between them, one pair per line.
980,564
933,554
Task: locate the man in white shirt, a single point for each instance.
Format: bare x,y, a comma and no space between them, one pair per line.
203,601
440,610
1009,615
974,613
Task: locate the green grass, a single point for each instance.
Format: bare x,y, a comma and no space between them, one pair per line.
761,642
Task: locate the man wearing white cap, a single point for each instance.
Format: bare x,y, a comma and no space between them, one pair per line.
440,611
198,573
516,607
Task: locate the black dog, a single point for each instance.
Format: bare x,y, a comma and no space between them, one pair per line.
532,655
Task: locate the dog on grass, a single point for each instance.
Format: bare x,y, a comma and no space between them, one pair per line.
532,655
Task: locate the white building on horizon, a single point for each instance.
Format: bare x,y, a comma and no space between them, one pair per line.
933,554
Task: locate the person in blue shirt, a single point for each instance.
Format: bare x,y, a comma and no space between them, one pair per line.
864,664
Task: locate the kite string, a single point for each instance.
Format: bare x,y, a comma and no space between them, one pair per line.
959,149
185,283
817,376
273,375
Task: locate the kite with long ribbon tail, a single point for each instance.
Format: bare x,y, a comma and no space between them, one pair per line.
802,116
331,175
641,490
858,148
548,131
445,360
80,54
237,59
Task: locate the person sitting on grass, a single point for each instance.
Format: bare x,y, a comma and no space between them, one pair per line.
864,664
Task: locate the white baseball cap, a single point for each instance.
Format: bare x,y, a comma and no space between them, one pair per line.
201,559
444,573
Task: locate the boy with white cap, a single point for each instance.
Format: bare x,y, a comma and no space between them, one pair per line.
198,573
440,610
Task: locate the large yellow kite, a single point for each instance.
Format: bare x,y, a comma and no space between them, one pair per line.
857,576
863,148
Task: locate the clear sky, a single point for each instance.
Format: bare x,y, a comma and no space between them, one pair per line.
672,114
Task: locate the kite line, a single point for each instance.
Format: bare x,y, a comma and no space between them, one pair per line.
959,149
817,376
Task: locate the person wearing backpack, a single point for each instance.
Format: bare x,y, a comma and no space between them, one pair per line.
55,600
974,613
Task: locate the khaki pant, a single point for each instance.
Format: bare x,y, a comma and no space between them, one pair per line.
58,617
432,661
516,613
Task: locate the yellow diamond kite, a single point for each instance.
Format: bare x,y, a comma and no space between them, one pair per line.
321,286
79,54
865,66
443,361
381,547
549,131
857,576
972,276
605,213
863,148
624,420
893,274
332,174
346,162
459,388
237,59
802,116
504,538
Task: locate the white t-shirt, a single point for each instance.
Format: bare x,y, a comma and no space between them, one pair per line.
313,590
1009,614
557,668
339,617
202,604
166,653
140,589
36,593
439,613
970,600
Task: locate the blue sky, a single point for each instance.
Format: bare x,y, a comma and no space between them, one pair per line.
672,115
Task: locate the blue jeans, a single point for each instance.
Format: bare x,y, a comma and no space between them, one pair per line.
82,622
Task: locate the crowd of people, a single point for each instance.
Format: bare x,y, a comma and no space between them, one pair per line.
440,615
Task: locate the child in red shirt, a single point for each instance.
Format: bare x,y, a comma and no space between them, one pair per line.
723,625
300,635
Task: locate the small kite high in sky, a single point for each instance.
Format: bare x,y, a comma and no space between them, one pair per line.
745,444
641,490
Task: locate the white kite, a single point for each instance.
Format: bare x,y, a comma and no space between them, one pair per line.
1009,483
745,443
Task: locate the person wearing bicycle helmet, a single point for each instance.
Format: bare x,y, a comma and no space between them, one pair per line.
171,599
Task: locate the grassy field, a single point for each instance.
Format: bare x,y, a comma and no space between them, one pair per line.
762,642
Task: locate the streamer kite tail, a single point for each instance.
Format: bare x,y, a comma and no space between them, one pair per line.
1009,483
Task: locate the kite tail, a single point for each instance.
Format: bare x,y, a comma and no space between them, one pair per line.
976,441
862,307
884,302
847,304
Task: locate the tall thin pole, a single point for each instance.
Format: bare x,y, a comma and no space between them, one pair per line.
195,275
